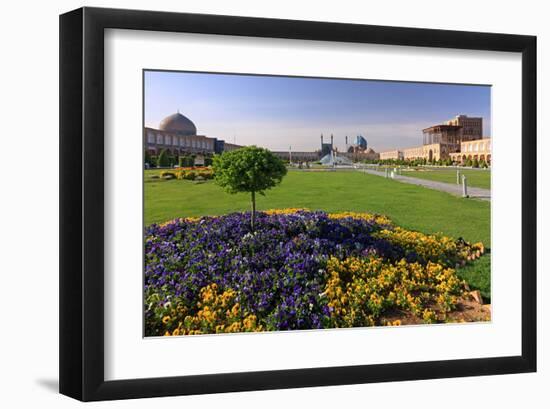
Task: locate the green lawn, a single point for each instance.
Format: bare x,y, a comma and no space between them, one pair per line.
478,275
409,206
412,207
477,178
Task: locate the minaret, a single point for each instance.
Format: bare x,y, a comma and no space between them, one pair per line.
331,141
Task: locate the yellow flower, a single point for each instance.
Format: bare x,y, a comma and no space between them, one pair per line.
290,210
166,319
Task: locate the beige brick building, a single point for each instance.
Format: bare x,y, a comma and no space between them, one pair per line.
479,149
448,140
434,151
471,128
395,154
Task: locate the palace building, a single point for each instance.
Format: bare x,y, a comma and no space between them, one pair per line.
448,140
394,154
479,149
471,128
177,134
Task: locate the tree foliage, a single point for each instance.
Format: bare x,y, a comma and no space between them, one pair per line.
163,159
249,169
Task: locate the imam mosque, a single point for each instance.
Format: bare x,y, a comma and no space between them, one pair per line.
459,139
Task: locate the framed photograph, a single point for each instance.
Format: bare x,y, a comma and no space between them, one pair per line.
252,204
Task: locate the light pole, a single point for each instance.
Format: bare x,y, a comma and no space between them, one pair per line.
290,154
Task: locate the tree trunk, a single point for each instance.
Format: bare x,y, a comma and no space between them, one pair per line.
253,215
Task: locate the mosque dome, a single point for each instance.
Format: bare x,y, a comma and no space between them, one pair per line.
178,123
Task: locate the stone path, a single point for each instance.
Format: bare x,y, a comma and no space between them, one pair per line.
475,192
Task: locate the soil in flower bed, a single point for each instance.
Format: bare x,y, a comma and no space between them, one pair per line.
300,269
466,310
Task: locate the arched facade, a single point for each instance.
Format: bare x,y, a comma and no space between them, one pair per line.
178,136
479,149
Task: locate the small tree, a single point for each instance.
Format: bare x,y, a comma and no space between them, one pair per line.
147,158
475,163
249,169
163,160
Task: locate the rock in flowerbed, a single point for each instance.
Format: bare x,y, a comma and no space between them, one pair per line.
299,269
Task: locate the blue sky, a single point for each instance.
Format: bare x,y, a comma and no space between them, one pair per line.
276,112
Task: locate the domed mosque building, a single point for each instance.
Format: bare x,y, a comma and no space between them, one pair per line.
178,135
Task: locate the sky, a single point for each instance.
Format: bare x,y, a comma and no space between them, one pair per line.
279,112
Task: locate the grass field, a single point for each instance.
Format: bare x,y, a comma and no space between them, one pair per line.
412,207
477,178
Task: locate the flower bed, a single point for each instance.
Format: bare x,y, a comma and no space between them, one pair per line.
299,270
193,173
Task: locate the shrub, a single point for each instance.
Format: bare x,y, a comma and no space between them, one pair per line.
147,158
185,161
163,159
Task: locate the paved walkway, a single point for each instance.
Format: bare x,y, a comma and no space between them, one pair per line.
475,192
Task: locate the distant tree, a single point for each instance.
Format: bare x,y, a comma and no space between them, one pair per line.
147,158
468,162
186,161
475,163
163,160
249,169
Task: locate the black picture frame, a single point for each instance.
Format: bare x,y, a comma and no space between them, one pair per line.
82,200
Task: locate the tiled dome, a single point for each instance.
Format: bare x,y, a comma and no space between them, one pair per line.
178,123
